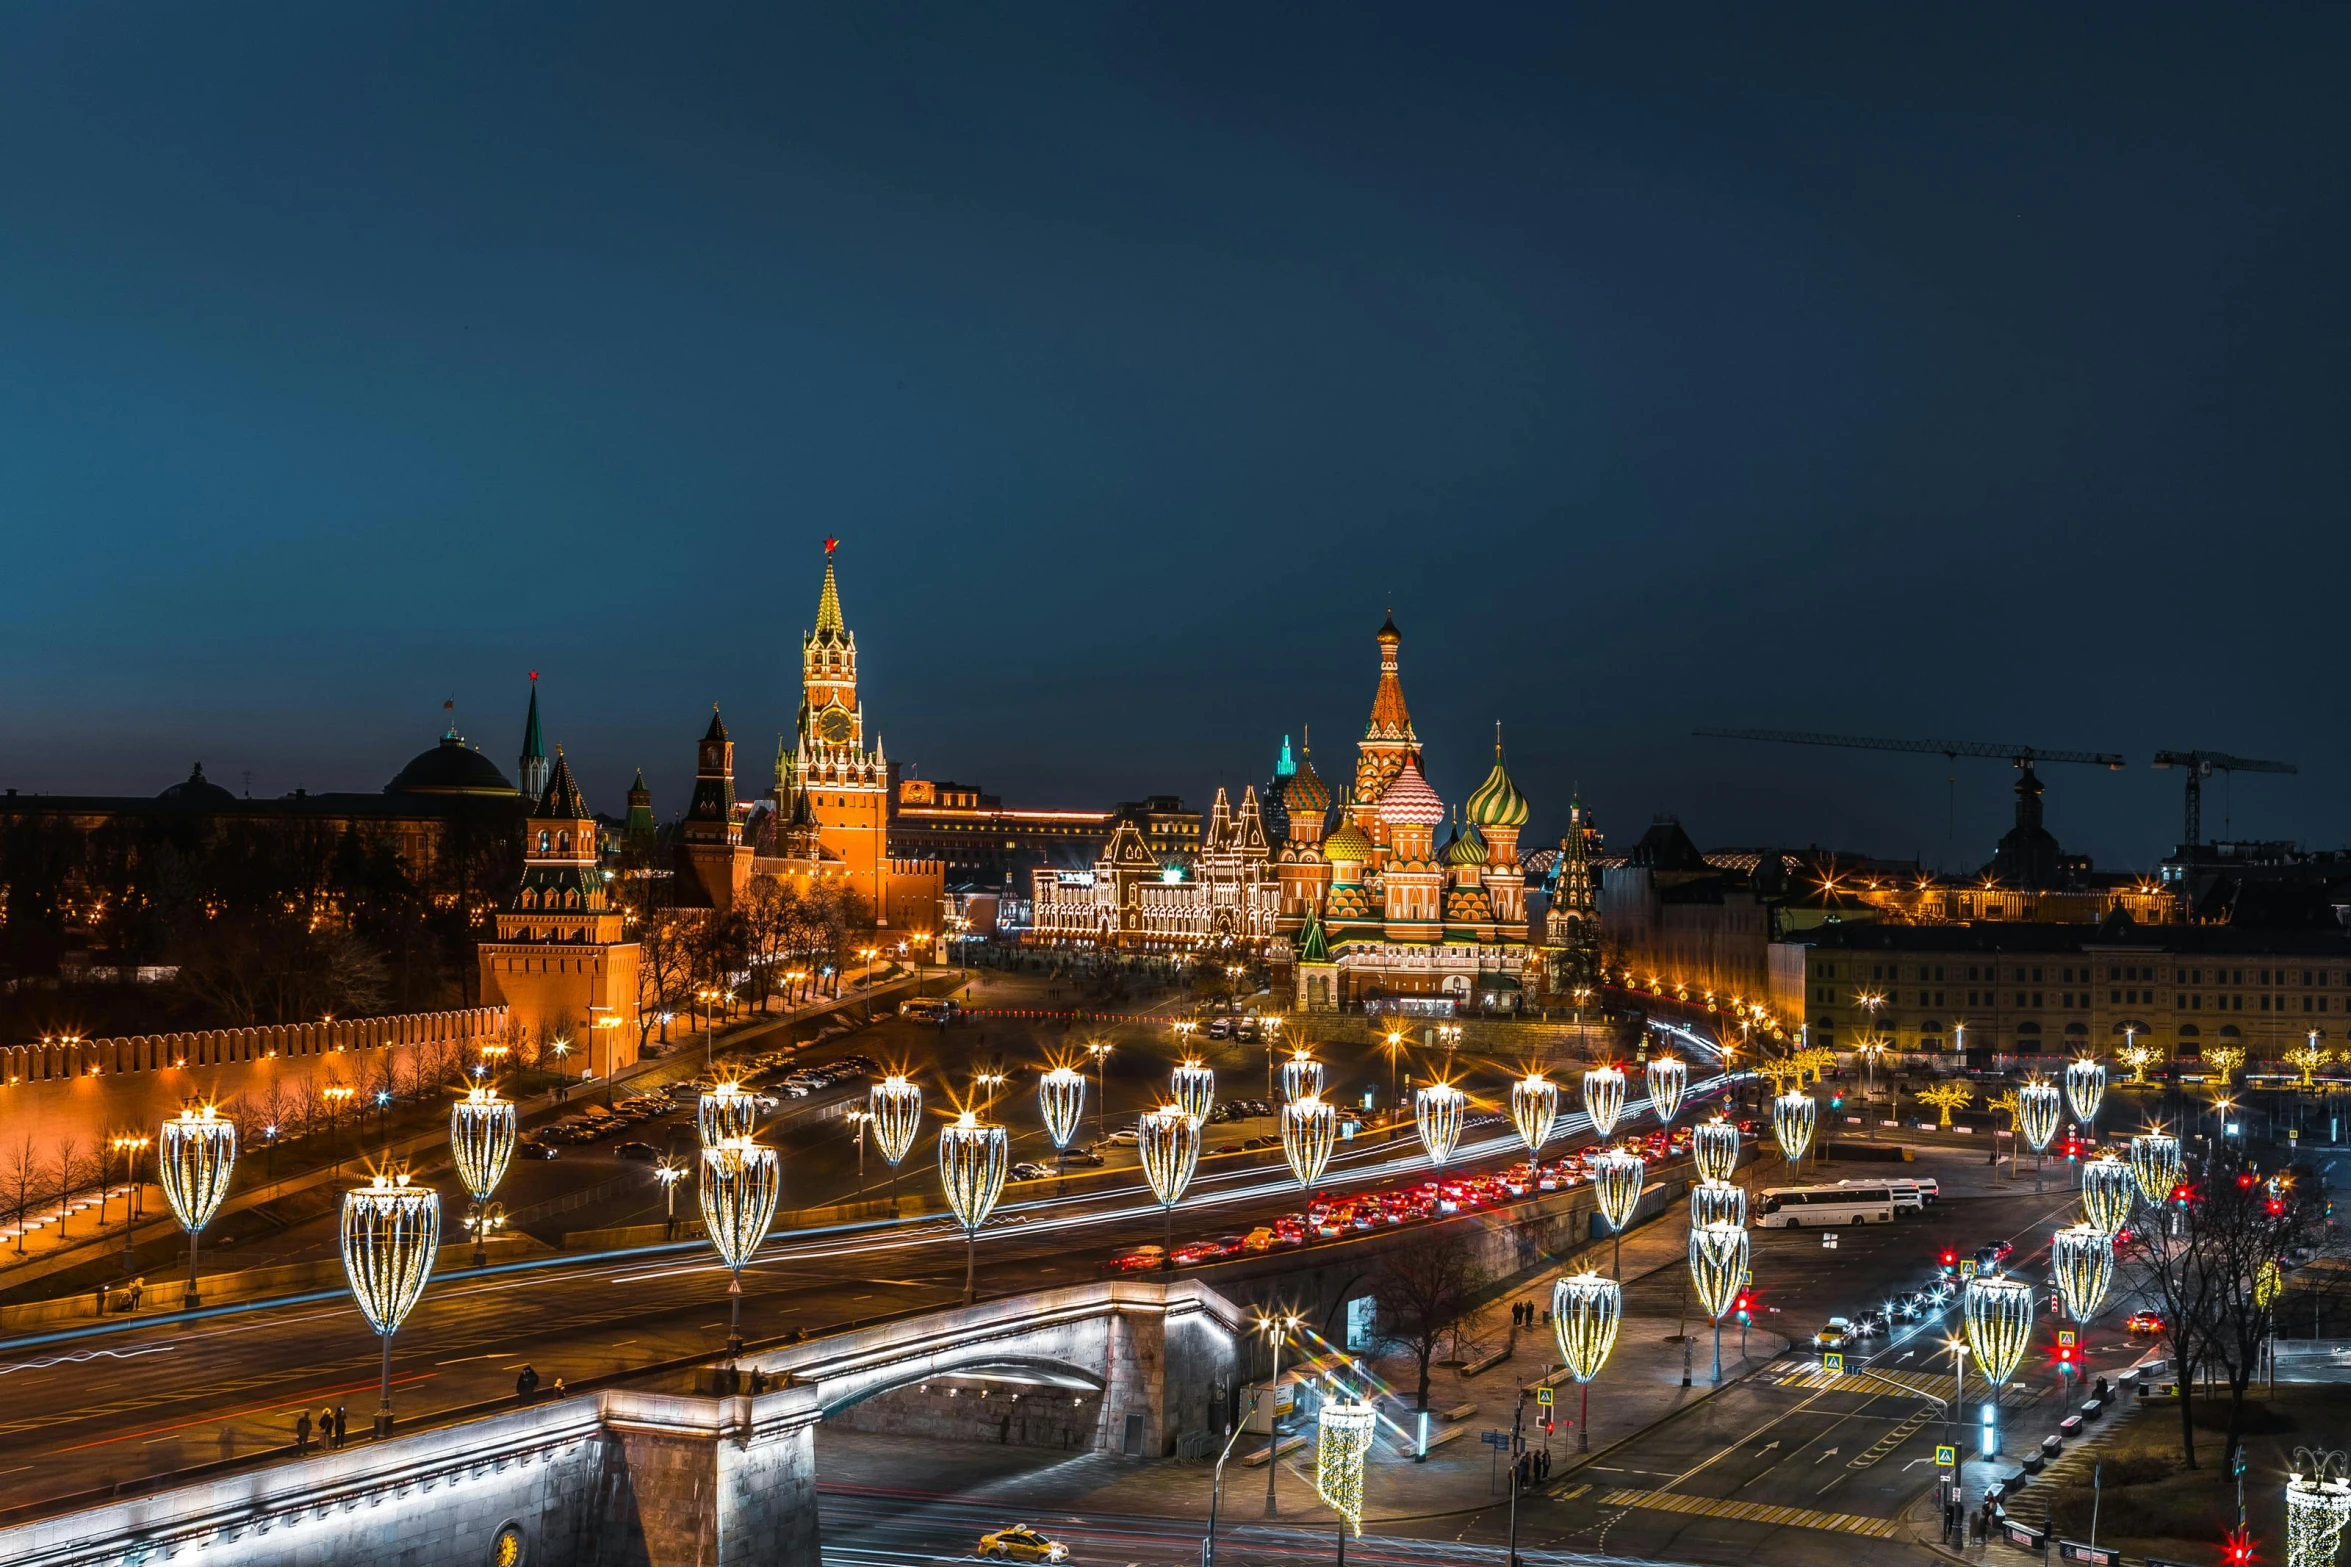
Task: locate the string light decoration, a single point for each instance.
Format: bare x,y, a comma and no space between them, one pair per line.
1998,1314
391,1231
974,1157
2085,1087
1669,1081
1534,1109
2108,1187
1061,1095
481,1144
1617,1178
1604,1098
1718,1202
1310,1129
1194,1087
1168,1138
1439,1110
194,1156
2039,1107
2082,1258
1714,1148
895,1103
2155,1165
1343,1432
1718,1265
727,1113
2318,1505
1586,1311
1793,1116
2269,1282
1301,1076
741,1182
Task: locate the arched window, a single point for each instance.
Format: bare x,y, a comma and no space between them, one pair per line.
542,840
563,842
530,899
571,900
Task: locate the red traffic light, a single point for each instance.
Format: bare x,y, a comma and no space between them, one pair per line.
2244,1182
2238,1551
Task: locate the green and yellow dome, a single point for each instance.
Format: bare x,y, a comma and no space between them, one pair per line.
1497,802
1467,847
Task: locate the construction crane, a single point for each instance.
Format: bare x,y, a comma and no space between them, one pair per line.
2202,765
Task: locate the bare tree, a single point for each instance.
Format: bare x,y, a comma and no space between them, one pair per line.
65,1177
1423,1289
22,1172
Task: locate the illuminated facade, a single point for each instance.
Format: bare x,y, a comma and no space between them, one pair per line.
1381,917
1224,898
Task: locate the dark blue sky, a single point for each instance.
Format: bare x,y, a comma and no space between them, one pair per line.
1977,374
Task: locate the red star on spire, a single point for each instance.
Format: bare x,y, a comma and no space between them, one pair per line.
831,544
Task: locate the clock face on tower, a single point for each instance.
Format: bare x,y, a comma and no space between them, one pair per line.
833,725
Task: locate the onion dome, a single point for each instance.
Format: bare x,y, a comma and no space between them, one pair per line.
1306,794
452,767
1409,801
1349,845
1468,846
1497,802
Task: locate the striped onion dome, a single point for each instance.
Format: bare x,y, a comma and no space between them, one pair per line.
1306,794
1409,801
1468,846
1497,802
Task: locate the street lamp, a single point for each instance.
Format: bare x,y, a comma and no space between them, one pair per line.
1395,1044
2085,1087
1310,1129
481,1142
972,1162
2039,1106
1277,1330
1061,1098
669,1172
985,1083
1793,1116
1604,1098
391,1232
1534,1110
1099,1050
2082,1258
895,1107
1168,1139
131,1147
1438,1111
727,1112
1586,1311
194,1156
1714,1148
869,954
1718,1262
2108,1187
1193,1085
857,1120
1669,1080
741,1181
1617,1179
1997,1313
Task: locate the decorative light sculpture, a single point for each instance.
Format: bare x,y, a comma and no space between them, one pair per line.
1714,1148
1168,1138
2108,1186
728,1113
741,1181
481,1144
1343,1433
1194,1087
1534,1109
391,1231
1310,1130
1718,1265
895,1103
1586,1311
1061,1095
194,1156
1301,1076
973,1159
2155,1165
2082,1258
2085,1087
1998,1315
1718,1202
2318,1505
1438,1110
1604,1098
2039,1107
1793,1116
1669,1080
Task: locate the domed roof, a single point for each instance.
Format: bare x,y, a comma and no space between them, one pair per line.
1468,846
1306,794
1409,801
197,793
452,767
1348,843
1497,802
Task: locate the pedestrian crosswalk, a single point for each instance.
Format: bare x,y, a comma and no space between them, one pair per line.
1754,1512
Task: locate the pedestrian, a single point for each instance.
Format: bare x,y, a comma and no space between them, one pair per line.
340,1425
302,1431
559,1387
526,1384
228,1444
326,1426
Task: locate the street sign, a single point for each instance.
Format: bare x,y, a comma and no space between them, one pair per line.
1833,1361
1543,1397
2067,1338
1496,1438
2091,1555
1946,1455
1967,1269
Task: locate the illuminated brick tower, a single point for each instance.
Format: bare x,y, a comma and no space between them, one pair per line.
1387,744
846,786
713,859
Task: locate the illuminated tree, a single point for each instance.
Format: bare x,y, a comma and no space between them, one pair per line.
2138,1058
2306,1059
1947,1097
2224,1059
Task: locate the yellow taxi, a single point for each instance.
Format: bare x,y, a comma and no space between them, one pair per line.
1258,1239
1020,1543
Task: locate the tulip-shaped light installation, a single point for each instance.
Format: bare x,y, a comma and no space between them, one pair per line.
1194,1088
1310,1129
1301,1076
2039,1107
390,1232
2082,1258
895,1104
1714,1148
2155,1165
1343,1433
1669,1080
1793,1116
1061,1095
2318,1505
194,1156
1718,1264
1438,1110
1168,1138
2108,1186
1998,1315
481,1144
2085,1087
1604,1098
1617,1178
741,1182
973,1158
1534,1109
1718,1202
728,1113
1586,1311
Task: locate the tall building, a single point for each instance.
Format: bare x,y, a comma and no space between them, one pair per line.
714,863
1571,918
531,774
1223,897
561,964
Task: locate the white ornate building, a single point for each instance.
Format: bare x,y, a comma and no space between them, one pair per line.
1224,898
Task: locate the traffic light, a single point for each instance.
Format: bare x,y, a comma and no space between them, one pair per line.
2238,1551
1836,1101
1950,1261
2245,1182
2275,1207
1745,1309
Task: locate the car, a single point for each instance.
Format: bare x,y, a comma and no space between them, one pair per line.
1258,1239
1124,1137
1289,1230
1832,1334
1992,1253
1141,1259
2143,1322
1868,1325
533,1148
1084,1159
1031,1170
1220,1028
1020,1543
644,1153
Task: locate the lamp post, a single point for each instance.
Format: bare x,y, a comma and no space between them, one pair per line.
1438,1112
869,954
727,1111
972,1163
1168,1139
1193,1086
1586,1311
1061,1099
2039,1106
194,1155
1669,1081
1718,1261
857,1120
1276,1330
1604,1098
1099,1050
131,1146
481,1142
390,1233
1617,1178
894,1106
1997,1313
1534,1110
669,1172
1395,1043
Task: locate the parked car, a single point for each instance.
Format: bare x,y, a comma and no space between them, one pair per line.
1030,1170
644,1153
533,1148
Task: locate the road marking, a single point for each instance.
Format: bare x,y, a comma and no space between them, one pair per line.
1755,1512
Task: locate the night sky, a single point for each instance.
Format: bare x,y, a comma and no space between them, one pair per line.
1974,375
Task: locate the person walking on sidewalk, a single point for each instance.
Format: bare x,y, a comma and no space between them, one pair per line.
341,1424
301,1431
326,1427
526,1385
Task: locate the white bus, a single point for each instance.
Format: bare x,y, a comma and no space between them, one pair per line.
1909,1196
1794,1207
